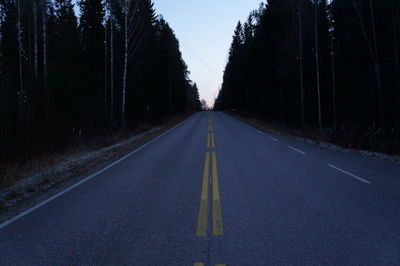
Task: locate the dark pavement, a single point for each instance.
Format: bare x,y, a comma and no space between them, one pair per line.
216,191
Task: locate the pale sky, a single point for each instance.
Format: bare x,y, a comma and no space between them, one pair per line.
204,29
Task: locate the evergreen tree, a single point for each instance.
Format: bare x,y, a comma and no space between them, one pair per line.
274,73
92,41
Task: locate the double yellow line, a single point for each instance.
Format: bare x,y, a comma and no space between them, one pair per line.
211,159
216,202
210,140
202,223
210,125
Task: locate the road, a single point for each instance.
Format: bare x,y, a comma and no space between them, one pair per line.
214,191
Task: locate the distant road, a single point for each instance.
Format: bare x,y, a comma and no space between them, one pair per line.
214,191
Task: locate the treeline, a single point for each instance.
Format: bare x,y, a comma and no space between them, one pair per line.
331,65
63,77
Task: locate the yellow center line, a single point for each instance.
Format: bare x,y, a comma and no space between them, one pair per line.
202,264
212,140
202,221
217,214
209,140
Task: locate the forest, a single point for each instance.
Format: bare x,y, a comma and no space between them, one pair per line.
328,66
67,75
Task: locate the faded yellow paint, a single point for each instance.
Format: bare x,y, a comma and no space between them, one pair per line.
212,140
202,221
217,213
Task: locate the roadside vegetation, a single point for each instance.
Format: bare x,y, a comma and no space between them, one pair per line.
328,69
71,78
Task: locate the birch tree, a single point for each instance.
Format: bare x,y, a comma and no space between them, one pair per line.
125,12
301,61
44,29
20,55
131,25
373,50
332,53
317,63
35,33
395,29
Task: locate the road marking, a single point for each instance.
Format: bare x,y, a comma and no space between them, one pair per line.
43,203
247,125
208,140
202,221
217,214
274,139
350,174
212,140
299,151
202,264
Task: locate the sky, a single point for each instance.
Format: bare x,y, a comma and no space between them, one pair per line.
204,30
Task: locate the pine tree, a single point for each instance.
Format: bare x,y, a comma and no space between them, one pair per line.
92,41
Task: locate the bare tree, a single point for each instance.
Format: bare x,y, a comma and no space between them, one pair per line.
112,67
44,28
332,52
130,29
395,27
317,63
125,11
301,61
20,55
373,49
35,34
106,60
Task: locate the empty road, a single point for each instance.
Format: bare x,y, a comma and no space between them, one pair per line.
214,191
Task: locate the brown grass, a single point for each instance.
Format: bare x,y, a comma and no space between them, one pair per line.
347,137
14,174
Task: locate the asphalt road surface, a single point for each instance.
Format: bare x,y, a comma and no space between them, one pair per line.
214,191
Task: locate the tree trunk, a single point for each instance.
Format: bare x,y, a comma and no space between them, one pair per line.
105,70
332,39
301,62
20,55
377,68
373,49
35,33
126,10
317,64
396,63
112,68
44,9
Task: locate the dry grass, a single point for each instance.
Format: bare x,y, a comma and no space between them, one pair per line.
347,137
21,180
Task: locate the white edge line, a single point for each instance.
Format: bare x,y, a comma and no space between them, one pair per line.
256,130
247,125
39,205
299,151
274,139
350,174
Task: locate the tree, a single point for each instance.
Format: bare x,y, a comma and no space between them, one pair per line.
344,73
92,40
